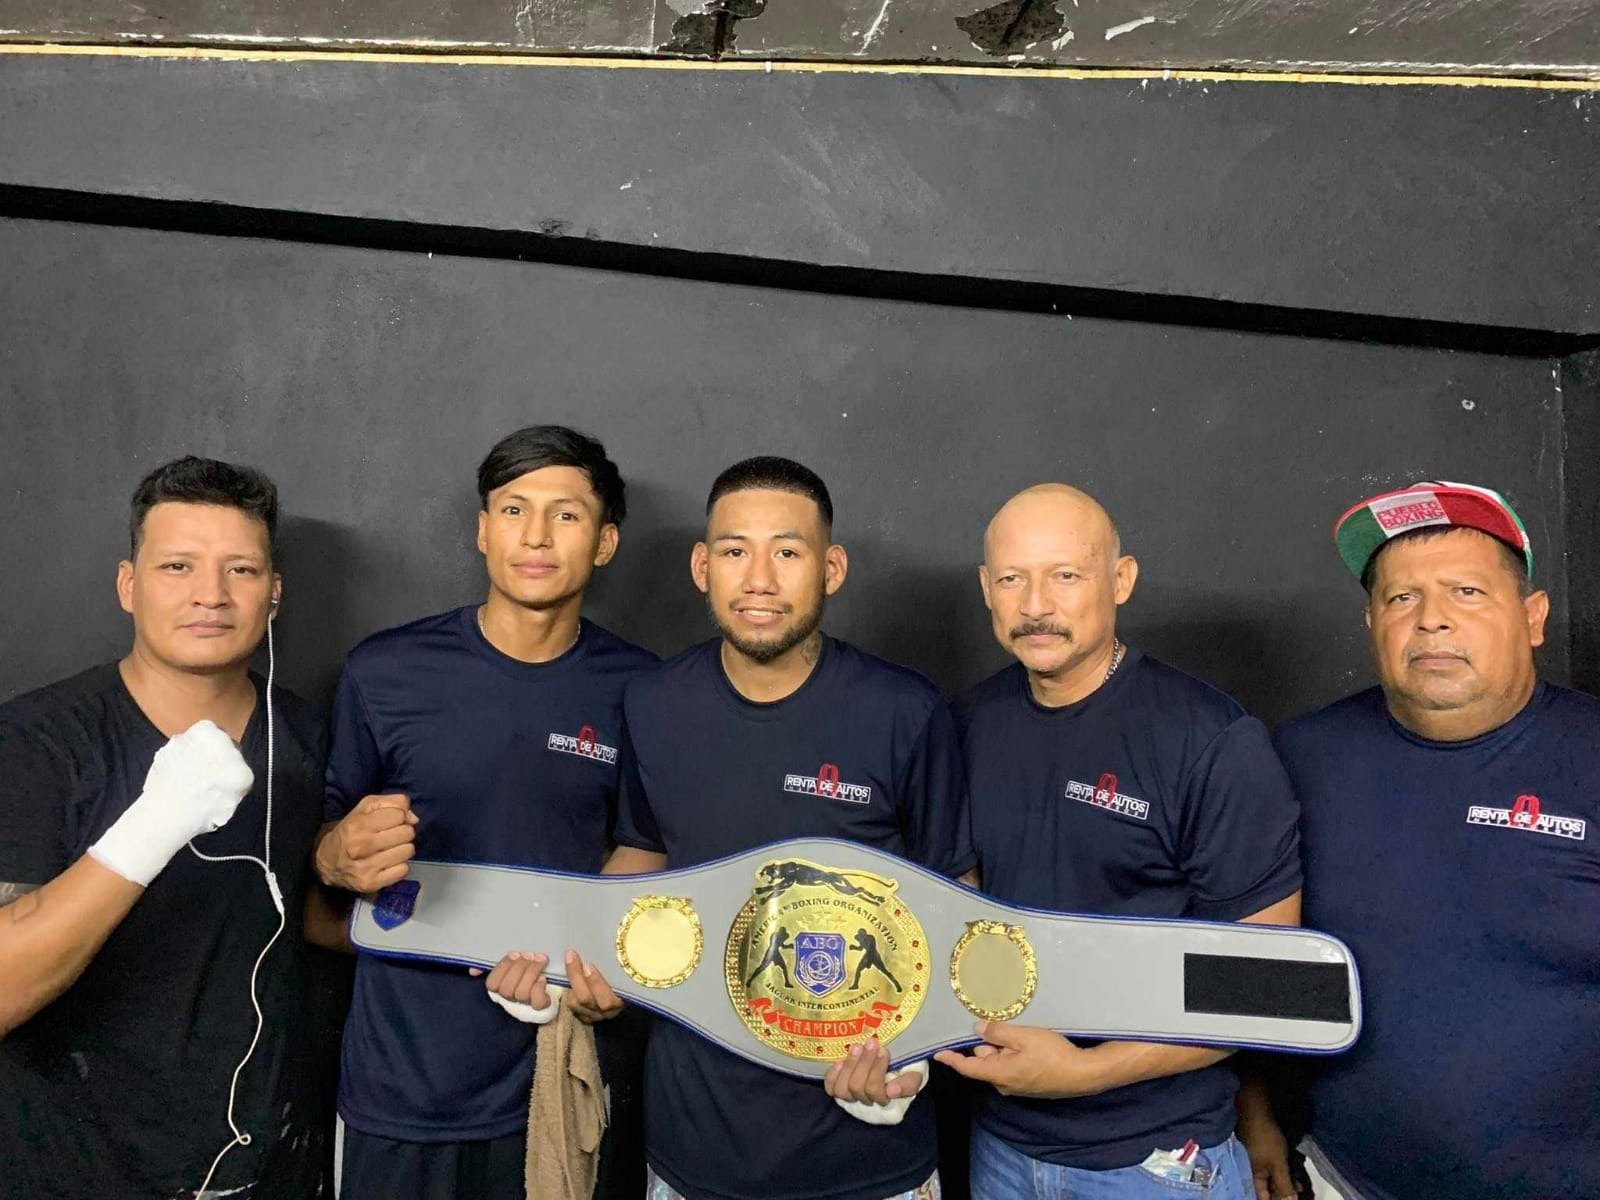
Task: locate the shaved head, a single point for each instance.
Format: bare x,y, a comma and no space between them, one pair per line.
1053,575
1059,504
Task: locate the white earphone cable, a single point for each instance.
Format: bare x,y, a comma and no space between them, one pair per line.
242,1137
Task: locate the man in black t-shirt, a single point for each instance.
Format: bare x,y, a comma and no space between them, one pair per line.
1106,782
126,950
774,731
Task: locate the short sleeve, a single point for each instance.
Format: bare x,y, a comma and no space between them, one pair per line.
635,823
355,765
935,814
1239,842
36,787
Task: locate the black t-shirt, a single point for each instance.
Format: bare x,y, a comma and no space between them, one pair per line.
707,773
120,1087
1155,796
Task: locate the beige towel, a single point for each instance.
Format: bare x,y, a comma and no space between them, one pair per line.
566,1112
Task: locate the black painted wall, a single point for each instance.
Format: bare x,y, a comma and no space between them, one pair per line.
358,275
1466,207
1580,485
368,383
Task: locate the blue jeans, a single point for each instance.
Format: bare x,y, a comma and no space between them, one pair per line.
1000,1172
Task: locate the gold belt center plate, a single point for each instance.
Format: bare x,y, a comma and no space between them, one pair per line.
821,958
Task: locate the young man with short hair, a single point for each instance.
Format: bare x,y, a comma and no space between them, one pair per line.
773,730
126,954
486,734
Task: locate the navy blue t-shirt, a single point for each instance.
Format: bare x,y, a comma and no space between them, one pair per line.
1465,876
1155,796
505,762
708,773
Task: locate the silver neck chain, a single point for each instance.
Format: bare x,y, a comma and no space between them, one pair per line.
1117,651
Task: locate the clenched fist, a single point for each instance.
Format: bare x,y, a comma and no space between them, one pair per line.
371,847
194,784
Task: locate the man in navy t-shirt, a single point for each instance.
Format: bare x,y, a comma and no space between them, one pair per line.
727,744
1104,781
487,734
1449,823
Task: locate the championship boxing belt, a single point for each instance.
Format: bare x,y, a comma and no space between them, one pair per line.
791,953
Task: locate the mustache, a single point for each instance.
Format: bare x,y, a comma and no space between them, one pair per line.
1030,628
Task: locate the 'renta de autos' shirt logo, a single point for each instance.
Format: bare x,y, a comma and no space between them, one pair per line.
585,745
1104,794
827,784
1526,815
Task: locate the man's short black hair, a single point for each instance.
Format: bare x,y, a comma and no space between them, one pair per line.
1514,562
191,480
540,446
769,473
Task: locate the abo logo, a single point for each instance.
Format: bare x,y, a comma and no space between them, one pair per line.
822,958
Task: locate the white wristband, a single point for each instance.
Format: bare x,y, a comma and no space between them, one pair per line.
527,1013
894,1111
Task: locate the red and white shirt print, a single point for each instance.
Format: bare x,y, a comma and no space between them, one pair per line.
585,744
1527,815
1104,794
827,784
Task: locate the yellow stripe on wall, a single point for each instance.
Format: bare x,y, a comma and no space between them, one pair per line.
425,54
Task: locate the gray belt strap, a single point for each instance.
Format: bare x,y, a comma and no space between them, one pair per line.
790,953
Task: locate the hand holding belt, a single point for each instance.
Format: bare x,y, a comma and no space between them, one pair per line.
791,953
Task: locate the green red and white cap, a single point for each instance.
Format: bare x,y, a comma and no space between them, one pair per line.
1365,527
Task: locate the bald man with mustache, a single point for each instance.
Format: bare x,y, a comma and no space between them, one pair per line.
1104,781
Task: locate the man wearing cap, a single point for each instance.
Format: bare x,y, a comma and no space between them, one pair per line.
1449,834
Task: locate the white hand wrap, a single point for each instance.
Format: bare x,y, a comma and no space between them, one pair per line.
527,1013
894,1111
195,783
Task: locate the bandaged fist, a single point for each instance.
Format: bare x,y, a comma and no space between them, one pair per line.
193,786
372,847
866,1089
517,984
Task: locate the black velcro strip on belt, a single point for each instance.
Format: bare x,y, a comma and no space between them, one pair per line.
1234,985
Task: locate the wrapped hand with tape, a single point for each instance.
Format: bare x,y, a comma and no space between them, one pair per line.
517,985
194,785
863,1086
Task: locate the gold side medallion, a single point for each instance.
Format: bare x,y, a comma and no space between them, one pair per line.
993,970
820,959
659,941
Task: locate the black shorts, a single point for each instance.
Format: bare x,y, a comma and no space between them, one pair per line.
379,1168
